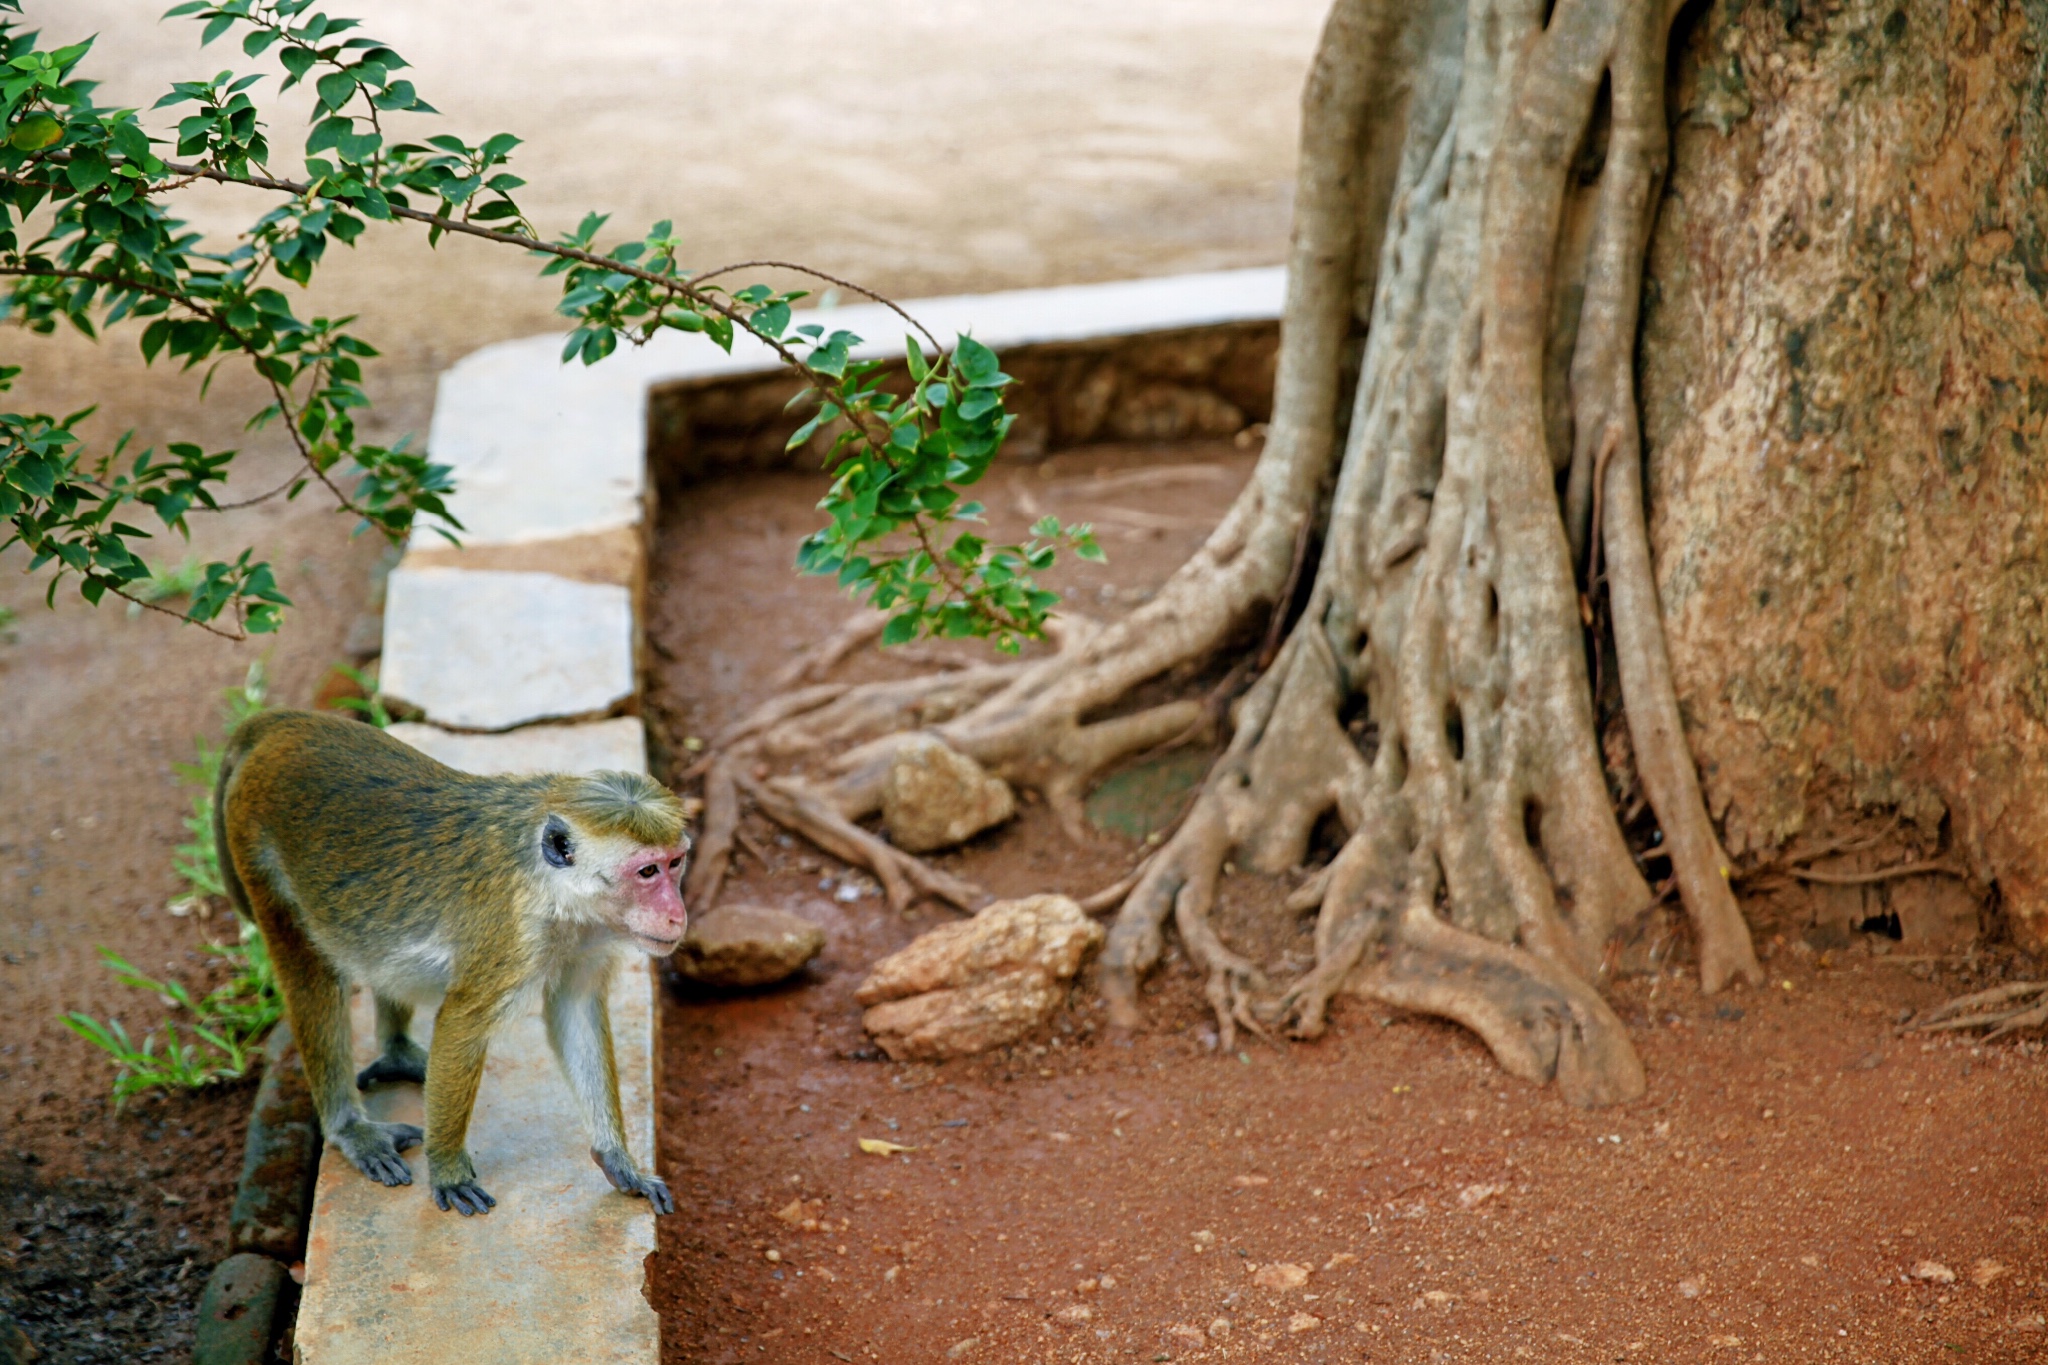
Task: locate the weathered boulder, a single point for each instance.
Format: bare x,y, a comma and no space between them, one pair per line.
935,797
978,983
747,945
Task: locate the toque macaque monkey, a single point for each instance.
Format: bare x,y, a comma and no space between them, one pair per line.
361,859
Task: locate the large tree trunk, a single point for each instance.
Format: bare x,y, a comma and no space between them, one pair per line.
1845,391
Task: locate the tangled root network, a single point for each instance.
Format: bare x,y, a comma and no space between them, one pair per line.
1451,484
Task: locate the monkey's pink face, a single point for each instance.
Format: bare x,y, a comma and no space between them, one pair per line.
655,917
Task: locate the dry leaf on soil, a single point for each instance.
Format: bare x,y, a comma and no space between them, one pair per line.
883,1147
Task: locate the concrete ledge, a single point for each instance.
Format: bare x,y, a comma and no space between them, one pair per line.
488,651
543,450
617,743
553,1274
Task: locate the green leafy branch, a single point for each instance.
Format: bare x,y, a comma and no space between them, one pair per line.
897,533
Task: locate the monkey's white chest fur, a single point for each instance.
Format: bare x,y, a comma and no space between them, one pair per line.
418,973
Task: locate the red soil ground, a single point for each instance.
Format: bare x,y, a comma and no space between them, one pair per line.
1386,1194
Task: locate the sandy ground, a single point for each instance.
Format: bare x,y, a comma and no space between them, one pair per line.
922,146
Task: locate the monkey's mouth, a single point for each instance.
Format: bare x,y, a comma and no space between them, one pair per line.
656,947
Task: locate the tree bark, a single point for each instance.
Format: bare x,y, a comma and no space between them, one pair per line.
1845,395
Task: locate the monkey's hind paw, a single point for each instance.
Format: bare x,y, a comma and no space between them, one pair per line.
465,1198
394,1066
373,1149
618,1168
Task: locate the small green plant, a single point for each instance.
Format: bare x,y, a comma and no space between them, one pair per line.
370,704
229,1022
6,625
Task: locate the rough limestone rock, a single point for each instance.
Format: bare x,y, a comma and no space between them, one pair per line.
747,945
975,984
935,798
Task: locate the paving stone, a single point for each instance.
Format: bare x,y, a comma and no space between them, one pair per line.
617,743
489,651
552,1274
540,449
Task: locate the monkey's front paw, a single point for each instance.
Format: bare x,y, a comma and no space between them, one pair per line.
465,1197
373,1149
618,1168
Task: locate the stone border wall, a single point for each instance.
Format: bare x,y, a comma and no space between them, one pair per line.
521,651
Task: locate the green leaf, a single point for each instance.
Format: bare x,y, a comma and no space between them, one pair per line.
335,88
902,628
37,131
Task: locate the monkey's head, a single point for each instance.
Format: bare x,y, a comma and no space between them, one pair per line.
612,846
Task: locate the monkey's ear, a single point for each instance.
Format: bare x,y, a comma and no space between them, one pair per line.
555,844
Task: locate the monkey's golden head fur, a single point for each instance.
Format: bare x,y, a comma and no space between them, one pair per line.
630,804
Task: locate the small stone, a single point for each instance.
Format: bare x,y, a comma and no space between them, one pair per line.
1204,1240
1280,1275
1087,1286
1436,1298
961,1348
1472,1196
1985,1271
1079,1312
1690,1288
236,1311
1109,1281
979,983
935,797
772,1256
1934,1272
747,945
1304,1322
1187,1336
1342,1258
1219,1329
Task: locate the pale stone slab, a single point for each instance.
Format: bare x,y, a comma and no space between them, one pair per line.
619,743
542,450
554,1273
491,650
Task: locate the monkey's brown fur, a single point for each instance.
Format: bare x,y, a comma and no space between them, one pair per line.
361,859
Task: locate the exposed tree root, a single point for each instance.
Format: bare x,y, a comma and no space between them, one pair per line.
2003,1009
1478,183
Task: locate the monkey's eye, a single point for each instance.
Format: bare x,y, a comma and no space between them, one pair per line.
554,843
674,863
649,872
